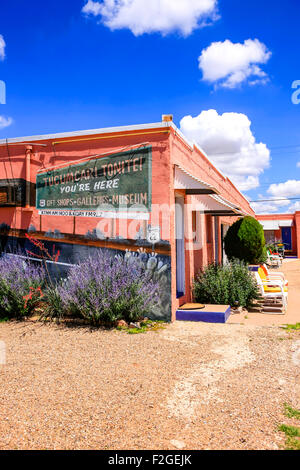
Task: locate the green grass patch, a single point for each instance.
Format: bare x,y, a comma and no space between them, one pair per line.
290,327
145,326
136,331
293,434
291,412
290,431
292,444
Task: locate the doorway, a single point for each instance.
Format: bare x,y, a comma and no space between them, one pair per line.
286,235
180,251
224,230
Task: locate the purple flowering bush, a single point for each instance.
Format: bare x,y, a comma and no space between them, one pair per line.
104,289
21,284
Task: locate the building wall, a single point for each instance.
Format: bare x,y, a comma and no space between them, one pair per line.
76,237
295,229
202,252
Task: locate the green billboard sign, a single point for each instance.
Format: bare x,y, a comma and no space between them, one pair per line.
99,187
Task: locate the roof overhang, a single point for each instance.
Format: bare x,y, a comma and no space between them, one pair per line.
157,126
276,224
214,205
230,208
286,223
191,184
269,224
221,213
209,199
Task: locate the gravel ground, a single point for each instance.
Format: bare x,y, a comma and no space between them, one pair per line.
192,386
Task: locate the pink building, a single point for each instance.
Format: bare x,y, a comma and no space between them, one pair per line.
141,189
283,228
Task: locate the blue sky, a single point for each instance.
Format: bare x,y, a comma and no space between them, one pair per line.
66,69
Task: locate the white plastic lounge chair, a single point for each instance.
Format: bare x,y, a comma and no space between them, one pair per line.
277,273
267,275
273,260
273,291
275,255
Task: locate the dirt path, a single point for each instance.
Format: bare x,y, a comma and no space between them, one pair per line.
195,386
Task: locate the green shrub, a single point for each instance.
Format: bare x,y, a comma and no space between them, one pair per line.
271,246
245,241
231,284
53,304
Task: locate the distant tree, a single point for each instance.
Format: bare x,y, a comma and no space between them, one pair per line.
245,241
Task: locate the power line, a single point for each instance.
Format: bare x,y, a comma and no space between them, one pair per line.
278,199
212,154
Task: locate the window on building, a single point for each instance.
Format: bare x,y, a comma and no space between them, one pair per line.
3,196
8,195
13,193
270,236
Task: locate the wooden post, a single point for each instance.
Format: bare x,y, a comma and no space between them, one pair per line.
27,175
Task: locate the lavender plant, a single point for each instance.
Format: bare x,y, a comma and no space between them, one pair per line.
104,289
21,284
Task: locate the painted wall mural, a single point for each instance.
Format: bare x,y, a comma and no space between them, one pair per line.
158,265
160,269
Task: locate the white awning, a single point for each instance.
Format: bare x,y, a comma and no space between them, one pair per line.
276,224
269,224
185,180
208,196
286,223
230,205
211,203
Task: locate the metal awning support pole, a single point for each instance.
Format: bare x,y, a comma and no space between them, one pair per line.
216,220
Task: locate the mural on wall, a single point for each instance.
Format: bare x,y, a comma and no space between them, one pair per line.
158,265
160,269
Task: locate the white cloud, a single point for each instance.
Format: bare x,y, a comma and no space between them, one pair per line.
228,141
290,188
279,201
282,202
5,122
2,48
92,8
294,207
228,64
150,16
298,164
266,207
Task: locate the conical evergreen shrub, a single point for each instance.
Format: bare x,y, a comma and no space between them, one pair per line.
245,241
